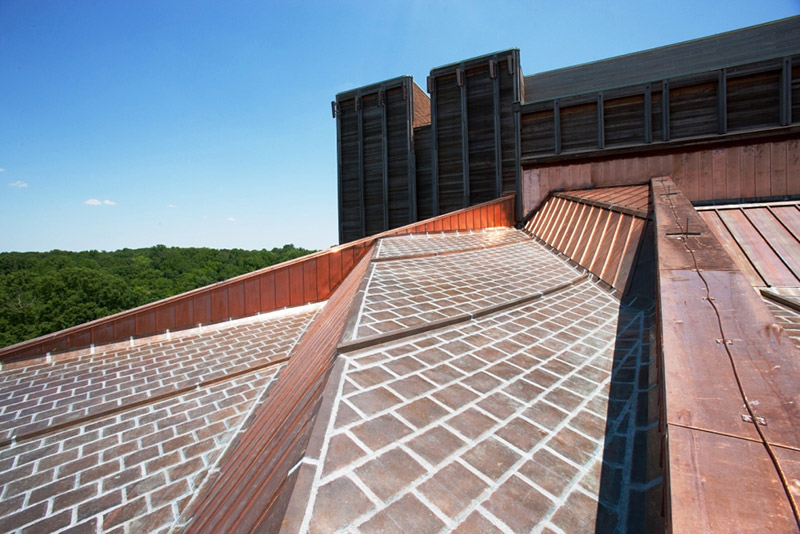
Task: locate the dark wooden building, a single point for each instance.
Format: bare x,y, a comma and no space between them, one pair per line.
487,130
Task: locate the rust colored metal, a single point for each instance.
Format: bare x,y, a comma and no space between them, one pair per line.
737,492
309,279
253,481
742,169
594,231
730,380
761,238
633,197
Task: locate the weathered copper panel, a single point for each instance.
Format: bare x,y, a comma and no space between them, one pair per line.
54,345
184,315
348,260
282,288
711,218
789,216
219,304
747,171
762,169
471,222
103,333
705,178
253,471
145,323
335,269
592,220
616,250
79,339
576,229
323,276
733,188
559,209
564,226
309,281
296,285
165,316
629,253
201,306
268,291
462,221
252,296
785,248
759,252
701,392
718,170
778,168
793,167
591,249
602,256
236,299
446,224
125,327
724,484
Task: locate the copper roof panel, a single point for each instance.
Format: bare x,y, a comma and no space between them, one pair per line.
405,293
135,466
500,421
587,227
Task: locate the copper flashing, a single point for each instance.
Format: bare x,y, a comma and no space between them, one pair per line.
730,379
599,229
250,491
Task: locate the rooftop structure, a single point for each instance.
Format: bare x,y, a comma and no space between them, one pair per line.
562,303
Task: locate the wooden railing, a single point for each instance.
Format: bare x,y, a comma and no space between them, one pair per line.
309,279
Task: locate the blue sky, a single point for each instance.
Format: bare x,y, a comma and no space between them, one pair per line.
193,123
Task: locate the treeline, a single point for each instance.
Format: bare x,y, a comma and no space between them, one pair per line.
43,292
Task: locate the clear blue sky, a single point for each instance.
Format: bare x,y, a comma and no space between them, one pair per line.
127,123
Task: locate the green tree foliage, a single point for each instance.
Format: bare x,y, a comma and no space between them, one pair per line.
43,292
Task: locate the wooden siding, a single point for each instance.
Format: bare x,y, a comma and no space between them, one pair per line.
726,409
474,130
748,171
377,184
312,278
736,98
600,236
772,39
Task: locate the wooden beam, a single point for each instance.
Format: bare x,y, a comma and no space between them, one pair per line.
722,102
464,136
665,110
601,131
648,114
557,126
361,202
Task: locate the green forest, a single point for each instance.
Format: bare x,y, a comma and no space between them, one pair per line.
43,292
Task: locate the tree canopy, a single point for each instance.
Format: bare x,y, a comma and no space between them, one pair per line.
43,292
